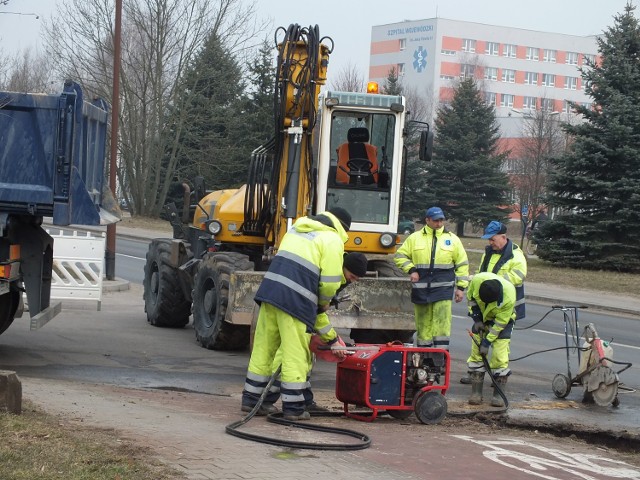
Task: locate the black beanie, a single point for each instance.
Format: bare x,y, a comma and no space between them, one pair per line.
356,263
490,291
342,215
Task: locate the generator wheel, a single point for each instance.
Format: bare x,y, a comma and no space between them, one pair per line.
8,305
385,269
210,300
561,385
431,407
399,414
164,301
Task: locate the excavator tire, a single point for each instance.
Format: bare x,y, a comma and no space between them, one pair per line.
210,300
164,301
385,269
8,306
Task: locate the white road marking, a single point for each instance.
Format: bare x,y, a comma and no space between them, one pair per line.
615,344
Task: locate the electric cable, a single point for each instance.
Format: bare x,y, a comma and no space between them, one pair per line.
232,428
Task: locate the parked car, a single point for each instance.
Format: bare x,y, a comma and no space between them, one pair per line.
406,227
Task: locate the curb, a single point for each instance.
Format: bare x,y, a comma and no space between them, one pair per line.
540,300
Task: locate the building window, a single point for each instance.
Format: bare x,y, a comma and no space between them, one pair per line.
468,45
467,71
403,44
508,75
509,50
572,58
506,100
548,80
491,73
547,104
447,77
570,83
530,103
549,56
492,48
591,59
491,98
401,69
448,52
532,54
567,107
531,78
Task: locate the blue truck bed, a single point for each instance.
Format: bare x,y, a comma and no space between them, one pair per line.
52,155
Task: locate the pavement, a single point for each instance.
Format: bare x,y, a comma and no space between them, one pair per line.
186,429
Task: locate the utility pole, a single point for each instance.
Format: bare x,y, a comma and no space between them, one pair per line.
110,253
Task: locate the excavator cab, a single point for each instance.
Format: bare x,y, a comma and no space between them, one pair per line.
357,159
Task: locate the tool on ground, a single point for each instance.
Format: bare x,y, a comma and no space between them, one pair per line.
596,375
395,379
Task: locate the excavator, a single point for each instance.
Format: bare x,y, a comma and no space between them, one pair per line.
329,149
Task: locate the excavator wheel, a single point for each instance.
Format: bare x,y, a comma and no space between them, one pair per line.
164,301
210,299
385,269
8,306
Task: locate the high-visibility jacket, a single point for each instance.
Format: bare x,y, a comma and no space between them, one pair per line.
440,260
307,270
511,264
500,315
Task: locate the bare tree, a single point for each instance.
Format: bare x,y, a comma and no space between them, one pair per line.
349,79
160,38
26,72
542,138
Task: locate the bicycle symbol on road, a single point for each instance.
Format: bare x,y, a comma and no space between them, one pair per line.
553,464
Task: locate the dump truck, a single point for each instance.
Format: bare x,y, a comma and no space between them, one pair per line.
342,149
52,164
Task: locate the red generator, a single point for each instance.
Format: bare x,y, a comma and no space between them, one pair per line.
395,379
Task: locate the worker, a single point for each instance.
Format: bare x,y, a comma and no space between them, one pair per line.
302,279
491,300
437,264
506,259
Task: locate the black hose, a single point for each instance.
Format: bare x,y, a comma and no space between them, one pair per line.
232,428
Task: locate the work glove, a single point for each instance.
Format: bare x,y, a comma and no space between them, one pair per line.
478,326
484,347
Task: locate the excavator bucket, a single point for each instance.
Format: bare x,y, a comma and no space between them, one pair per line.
375,303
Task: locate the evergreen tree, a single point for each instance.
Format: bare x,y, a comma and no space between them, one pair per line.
596,183
213,140
465,177
392,84
259,108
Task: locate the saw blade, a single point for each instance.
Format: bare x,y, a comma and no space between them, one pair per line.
604,395
602,383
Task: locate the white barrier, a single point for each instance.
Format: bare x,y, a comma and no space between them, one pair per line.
78,265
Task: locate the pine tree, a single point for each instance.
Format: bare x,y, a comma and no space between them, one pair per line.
465,177
259,108
392,84
596,183
212,139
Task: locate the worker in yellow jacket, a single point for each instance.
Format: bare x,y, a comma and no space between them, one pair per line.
491,300
302,279
437,264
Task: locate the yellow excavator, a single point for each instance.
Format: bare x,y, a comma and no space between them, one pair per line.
332,149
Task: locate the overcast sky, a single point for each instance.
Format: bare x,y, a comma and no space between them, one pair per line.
349,22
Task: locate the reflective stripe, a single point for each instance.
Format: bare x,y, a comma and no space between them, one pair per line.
520,302
325,299
324,330
258,378
466,262
463,278
501,372
292,285
476,366
311,235
433,284
253,389
473,303
300,261
292,398
519,274
293,385
331,278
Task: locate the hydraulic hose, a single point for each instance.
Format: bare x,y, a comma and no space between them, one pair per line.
232,428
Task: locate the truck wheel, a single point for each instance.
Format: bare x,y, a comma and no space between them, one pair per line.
8,306
164,300
210,299
385,269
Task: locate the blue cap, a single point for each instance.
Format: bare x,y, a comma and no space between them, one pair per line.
435,213
494,228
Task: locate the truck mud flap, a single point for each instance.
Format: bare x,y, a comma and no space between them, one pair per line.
377,303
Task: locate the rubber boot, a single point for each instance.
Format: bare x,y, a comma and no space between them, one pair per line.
466,380
477,382
497,400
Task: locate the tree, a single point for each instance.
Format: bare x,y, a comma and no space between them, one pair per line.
349,79
542,137
392,84
259,110
465,176
596,183
27,72
160,38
